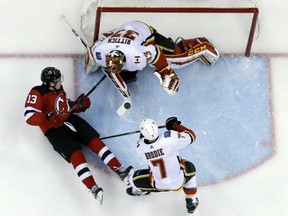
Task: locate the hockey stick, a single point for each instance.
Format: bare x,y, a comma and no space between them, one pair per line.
68,124
84,42
88,93
128,133
121,86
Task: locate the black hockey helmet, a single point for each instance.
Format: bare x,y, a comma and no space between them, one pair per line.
50,74
115,60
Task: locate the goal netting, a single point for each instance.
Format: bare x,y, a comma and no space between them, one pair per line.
232,25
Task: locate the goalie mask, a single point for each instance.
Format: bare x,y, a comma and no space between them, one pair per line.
115,60
149,129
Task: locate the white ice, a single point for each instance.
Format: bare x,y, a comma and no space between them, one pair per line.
37,181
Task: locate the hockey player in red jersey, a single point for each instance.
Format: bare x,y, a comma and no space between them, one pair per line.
47,106
166,171
135,44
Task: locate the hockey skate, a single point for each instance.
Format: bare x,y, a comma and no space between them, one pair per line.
191,204
122,173
134,192
97,193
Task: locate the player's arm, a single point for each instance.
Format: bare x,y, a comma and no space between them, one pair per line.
168,79
89,61
173,123
33,108
34,114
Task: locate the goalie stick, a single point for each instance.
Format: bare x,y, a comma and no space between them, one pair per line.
128,133
121,86
84,42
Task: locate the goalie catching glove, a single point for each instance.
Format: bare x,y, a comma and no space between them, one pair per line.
169,80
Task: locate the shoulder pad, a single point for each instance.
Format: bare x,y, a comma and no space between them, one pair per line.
41,89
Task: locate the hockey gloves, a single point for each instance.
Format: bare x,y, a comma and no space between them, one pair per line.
170,122
54,120
169,80
81,104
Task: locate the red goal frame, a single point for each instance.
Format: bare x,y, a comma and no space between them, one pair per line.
254,11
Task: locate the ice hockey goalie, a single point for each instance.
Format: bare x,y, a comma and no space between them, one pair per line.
134,45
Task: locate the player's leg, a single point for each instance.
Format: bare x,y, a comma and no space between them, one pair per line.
191,50
90,137
201,45
190,187
152,36
139,183
64,143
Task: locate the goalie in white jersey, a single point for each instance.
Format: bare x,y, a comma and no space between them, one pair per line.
167,171
134,45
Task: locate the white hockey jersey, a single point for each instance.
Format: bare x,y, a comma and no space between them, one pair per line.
128,38
162,157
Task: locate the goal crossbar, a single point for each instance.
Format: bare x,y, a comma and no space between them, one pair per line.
250,10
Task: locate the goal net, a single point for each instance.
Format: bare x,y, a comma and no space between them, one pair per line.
232,25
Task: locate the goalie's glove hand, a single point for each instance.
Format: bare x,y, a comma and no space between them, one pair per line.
54,120
82,103
170,122
169,80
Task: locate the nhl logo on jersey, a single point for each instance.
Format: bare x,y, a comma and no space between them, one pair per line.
98,56
167,134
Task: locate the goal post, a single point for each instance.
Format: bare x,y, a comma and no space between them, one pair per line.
212,17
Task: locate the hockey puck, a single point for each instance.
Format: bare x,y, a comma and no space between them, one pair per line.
127,105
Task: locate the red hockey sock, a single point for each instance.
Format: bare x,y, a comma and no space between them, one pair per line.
98,147
79,163
190,191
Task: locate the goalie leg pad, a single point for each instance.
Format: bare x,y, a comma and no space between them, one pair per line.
211,55
191,50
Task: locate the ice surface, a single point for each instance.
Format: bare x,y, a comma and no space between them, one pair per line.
237,108
227,105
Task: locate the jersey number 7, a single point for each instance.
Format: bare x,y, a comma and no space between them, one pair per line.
161,164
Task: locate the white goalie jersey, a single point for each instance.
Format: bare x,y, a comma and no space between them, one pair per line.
129,39
162,157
